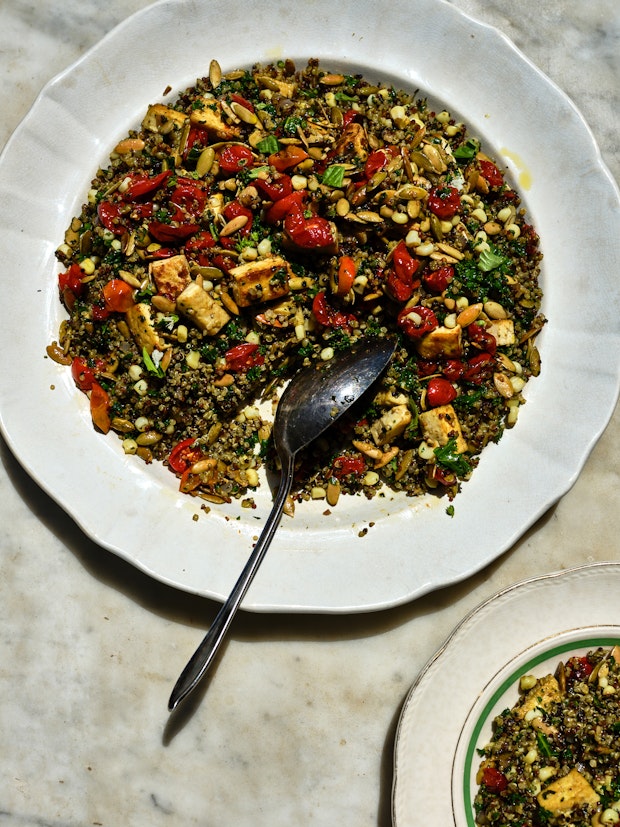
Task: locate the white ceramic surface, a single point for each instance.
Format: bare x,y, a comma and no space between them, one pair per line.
316,563
474,676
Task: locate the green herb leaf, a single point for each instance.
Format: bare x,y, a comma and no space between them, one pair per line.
490,260
543,745
466,151
152,364
268,145
447,456
334,176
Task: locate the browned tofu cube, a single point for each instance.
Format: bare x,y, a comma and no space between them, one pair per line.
440,425
260,281
208,115
443,341
171,275
202,309
143,330
570,791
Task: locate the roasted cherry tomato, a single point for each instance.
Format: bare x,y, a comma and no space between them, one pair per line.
143,185
276,187
243,357
444,202
453,369
70,284
345,466
479,368
416,321
491,173
118,296
287,158
288,203
437,280
379,159
235,157
110,216
83,375
100,407
401,281
482,338
346,274
309,233
171,234
201,241
439,392
494,780
349,116
184,455
190,196
327,315
242,101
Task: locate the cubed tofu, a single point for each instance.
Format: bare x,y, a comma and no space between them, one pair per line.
140,323
570,791
543,694
260,281
209,116
503,330
158,115
285,88
199,306
391,425
353,139
443,341
171,275
440,425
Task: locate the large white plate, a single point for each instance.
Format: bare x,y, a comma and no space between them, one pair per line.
316,563
448,712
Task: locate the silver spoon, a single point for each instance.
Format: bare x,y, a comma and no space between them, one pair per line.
311,402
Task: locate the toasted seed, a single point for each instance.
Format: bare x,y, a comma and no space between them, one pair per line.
123,426
369,216
503,385
332,80
243,113
342,207
234,225
129,145
57,354
450,250
205,161
469,314
163,304
494,310
224,381
229,303
333,492
148,438
215,73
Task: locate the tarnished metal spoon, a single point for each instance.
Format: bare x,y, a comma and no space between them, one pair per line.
313,400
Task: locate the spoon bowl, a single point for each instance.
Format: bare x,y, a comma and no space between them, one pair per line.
312,401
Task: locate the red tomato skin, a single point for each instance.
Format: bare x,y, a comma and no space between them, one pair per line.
491,174
243,357
287,158
411,327
118,296
110,216
444,201
183,456
277,187
308,233
438,280
346,465
235,157
494,780
485,341
439,392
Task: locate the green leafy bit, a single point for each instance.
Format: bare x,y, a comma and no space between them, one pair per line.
467,150
268,145
490,260
151,362
448,457
334,175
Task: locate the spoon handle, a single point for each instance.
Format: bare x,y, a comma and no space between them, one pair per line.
206,651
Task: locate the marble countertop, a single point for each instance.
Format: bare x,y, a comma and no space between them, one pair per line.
297,725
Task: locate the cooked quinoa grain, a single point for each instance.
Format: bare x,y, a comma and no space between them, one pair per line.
554,758
268,219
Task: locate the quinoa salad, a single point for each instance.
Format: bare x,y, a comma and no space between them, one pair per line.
554,758
267,219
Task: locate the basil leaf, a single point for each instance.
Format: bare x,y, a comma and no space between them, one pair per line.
268,145
490,261
334,176
447,456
